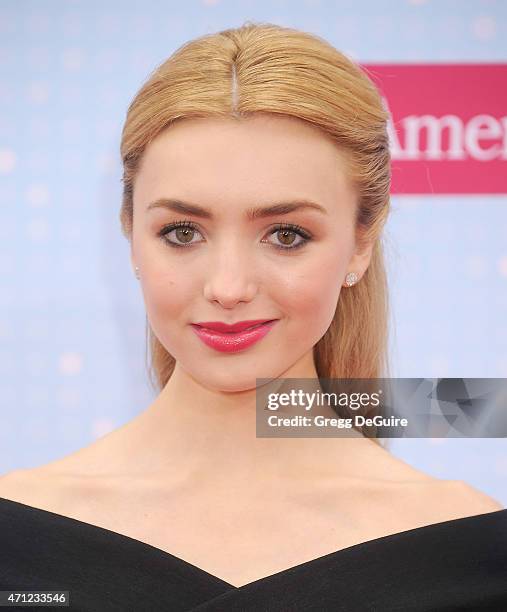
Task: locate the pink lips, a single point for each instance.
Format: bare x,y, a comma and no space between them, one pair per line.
235,340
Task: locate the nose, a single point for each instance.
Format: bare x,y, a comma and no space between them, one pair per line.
230,278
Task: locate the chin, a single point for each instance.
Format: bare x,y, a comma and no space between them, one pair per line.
229,378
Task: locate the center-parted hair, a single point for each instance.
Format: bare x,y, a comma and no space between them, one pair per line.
261,68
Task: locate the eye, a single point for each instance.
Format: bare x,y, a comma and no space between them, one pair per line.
287,234
183,232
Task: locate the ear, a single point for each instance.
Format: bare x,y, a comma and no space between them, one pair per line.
360,260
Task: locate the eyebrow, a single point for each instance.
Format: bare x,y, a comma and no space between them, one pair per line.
280,208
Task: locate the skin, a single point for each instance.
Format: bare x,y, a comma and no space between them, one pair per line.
234,272
195,447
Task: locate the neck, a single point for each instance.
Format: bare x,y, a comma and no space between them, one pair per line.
192,431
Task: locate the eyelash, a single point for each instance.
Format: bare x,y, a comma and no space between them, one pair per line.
280,227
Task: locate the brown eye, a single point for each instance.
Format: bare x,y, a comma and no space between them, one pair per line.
286,237
184,234
179,234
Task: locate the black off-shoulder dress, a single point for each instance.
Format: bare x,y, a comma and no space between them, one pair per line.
455,565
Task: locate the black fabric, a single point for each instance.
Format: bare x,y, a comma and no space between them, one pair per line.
454,565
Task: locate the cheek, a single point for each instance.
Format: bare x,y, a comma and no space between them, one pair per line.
167,293
309,294
315,299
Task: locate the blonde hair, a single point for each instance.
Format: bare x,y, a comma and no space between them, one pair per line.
266,68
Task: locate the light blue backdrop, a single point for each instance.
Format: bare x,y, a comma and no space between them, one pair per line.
72,321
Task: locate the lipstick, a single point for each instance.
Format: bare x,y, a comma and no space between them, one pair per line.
233,341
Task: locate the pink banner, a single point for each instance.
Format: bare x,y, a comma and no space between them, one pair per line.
448,127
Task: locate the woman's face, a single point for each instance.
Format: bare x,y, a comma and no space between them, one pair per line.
230,266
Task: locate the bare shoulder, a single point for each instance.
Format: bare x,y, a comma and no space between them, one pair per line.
78,494
443,500
12,484
27,486
472,500
45,489
427,493
61,482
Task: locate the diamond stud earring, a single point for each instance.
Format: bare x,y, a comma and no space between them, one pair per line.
137,272
351,279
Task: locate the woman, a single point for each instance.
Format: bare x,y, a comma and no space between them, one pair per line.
256,186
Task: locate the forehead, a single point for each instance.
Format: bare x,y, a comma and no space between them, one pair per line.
261,157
